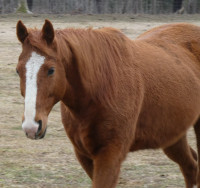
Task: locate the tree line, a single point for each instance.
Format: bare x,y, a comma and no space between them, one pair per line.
102,6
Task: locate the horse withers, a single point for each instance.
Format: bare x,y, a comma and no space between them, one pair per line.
117,95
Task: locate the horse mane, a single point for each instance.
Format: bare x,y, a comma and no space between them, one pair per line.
101,56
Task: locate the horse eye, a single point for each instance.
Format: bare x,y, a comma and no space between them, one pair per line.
50,71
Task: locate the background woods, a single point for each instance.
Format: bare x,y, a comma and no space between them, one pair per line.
102,6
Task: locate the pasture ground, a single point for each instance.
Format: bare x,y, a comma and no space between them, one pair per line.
51,162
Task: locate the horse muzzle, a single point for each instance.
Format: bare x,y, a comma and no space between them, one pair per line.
34,130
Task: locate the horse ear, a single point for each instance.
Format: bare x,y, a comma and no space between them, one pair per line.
21,31
48,32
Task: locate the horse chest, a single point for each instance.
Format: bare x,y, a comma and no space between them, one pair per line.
78,138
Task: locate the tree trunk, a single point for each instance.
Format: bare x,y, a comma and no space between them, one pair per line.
30,4
177,5
154,3
22,7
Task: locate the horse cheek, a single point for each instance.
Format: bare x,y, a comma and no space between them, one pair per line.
60,86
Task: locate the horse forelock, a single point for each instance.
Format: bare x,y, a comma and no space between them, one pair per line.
36,42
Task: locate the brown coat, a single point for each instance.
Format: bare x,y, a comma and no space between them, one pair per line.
120,95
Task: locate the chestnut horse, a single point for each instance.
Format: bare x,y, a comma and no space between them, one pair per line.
117,95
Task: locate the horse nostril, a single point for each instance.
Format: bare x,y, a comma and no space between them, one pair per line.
40,127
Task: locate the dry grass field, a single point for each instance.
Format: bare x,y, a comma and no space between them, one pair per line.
51,162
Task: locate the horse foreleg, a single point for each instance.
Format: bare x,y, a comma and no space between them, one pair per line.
106,168
86,163
197,132
184,155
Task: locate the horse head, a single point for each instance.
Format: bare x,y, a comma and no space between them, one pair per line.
42,77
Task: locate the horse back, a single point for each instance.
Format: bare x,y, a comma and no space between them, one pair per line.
170,68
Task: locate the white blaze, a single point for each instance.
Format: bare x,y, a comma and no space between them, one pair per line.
32,68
